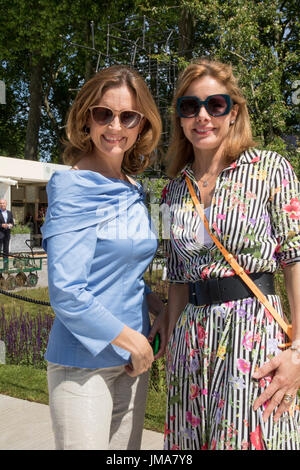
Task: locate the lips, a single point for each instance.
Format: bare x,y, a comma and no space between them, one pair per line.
203,131
112,139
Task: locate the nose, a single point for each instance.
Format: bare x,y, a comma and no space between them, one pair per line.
115,123
203,114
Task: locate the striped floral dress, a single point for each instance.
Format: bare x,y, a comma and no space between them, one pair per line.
215,349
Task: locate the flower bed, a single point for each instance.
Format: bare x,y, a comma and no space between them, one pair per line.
25,337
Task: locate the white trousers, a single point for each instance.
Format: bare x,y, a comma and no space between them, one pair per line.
96,409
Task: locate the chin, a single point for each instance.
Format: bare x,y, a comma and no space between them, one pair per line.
209,144
111,153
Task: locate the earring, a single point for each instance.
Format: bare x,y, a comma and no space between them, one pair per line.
232,122
86,130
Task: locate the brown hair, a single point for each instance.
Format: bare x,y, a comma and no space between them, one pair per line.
180,151
138,157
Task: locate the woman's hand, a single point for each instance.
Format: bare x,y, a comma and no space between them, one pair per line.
160,326
140,349
157,308
141,358
178,296
285,383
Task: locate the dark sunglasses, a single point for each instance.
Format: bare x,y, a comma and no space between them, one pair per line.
104,116
215,105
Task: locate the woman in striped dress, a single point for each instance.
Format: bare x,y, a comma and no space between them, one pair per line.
230,386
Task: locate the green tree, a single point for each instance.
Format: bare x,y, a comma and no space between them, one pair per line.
48,52
12,122
260,38
39,34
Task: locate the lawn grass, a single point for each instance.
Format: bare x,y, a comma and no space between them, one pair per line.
156,410
24,382
9,304
28,383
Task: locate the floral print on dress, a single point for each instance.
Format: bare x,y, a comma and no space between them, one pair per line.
210,387
255,213
215,349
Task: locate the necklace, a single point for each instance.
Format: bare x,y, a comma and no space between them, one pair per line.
204,182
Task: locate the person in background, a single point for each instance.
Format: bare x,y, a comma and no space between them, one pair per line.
6,224
230,386
99,240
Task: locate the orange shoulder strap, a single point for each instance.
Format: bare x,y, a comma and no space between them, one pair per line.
237,268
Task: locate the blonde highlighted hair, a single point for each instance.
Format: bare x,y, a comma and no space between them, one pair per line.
180,151
79,143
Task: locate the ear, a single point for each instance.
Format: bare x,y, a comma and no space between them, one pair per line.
234,112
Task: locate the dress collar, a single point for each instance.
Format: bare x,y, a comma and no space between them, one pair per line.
247,157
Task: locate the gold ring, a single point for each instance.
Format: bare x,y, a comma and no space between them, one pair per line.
288,398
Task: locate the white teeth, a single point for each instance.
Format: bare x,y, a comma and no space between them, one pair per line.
111,139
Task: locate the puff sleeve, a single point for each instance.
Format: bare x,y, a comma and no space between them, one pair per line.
285,212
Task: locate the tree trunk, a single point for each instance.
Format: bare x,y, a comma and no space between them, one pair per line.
89,72
35,106
186,28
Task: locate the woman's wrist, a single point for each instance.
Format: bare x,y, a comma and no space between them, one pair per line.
128,339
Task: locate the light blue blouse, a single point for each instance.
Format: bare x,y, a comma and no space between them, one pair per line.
99,240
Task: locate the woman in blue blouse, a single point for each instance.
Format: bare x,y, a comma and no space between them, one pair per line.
99,240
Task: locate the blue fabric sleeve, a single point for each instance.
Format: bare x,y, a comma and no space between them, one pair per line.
70,256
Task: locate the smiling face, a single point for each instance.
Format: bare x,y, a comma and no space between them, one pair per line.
207,133
113,140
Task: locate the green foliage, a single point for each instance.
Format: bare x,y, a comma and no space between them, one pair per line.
287,150
158,376
42,31
20,229
153,187
260,38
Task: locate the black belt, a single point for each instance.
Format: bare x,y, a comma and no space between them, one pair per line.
225,289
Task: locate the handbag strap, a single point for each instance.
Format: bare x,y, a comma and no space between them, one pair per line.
237,268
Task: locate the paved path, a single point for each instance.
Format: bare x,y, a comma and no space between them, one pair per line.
26,425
